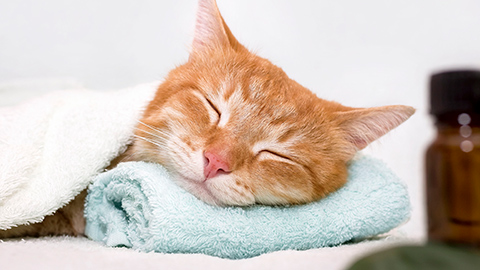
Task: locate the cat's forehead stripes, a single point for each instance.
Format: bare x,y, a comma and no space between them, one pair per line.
227,89
242,105
224,109
229,99
223,101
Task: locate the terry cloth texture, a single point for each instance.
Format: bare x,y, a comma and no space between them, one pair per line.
137,205
52,147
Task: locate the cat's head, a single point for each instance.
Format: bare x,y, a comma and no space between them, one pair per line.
233,129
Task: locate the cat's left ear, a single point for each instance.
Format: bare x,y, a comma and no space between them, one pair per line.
211,31
363,126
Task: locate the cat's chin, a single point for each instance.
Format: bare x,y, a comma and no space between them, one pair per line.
208,193
198,189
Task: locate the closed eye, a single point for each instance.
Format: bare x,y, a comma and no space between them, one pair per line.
272,155
213,107
213,112
276,154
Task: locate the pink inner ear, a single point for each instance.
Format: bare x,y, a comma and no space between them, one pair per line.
359,142
363,126
209,30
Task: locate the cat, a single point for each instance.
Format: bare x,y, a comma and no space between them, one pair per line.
234,129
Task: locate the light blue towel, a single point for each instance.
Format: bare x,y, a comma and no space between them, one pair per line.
137,205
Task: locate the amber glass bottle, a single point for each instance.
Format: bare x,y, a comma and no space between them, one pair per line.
453,159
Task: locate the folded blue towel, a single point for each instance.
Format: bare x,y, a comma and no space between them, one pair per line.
137,205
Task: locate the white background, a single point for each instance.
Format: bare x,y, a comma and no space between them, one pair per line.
360,53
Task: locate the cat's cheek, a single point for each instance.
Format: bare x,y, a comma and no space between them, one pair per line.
282,183
144,151
190,111
184,161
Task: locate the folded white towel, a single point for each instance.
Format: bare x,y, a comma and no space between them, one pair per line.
52,147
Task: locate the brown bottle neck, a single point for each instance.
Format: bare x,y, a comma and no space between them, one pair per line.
458,130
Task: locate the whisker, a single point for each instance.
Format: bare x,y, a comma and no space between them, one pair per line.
153,134
183,161
149,126
182,146
150,141
160,133
126,158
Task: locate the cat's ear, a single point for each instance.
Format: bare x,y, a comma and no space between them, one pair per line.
211,32
363,126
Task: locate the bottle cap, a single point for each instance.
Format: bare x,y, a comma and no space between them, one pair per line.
456,91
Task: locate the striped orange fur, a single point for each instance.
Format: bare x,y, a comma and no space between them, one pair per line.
264,138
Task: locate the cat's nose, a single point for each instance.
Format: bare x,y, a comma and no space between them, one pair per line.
214,164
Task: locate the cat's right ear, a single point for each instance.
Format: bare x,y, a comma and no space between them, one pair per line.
211,32
361,126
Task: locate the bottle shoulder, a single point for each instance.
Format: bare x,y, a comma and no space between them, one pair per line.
460,139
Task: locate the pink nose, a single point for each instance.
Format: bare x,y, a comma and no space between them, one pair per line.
214,164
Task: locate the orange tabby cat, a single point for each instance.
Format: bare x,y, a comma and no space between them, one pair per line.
233,129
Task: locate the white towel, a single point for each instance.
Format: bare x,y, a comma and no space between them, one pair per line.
52,147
